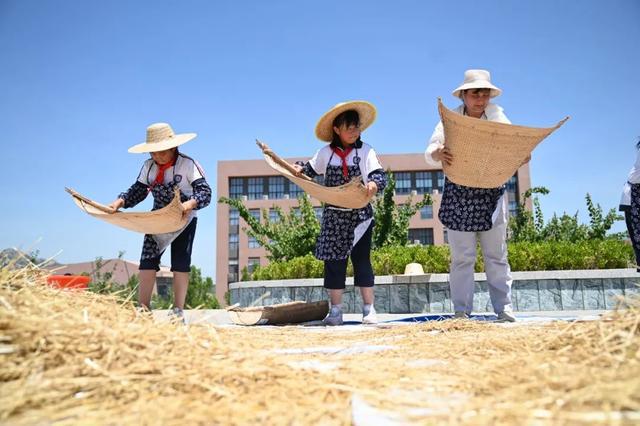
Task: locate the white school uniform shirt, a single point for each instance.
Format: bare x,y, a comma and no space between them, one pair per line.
184,172
492,112
634,177
368,160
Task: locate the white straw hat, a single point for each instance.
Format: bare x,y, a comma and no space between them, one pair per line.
366,111
477,79
160,136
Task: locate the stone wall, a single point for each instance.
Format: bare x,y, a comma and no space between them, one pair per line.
532,291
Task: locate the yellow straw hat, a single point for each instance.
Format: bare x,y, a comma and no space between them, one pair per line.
366,111
160,136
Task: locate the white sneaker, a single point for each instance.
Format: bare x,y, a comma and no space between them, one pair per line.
177,315
461,315
506,316
369,317
334,317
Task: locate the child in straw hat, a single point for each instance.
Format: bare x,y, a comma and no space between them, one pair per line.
167,169
474,213
630,205
344,232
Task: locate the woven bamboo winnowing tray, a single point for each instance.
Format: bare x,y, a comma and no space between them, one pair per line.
485,153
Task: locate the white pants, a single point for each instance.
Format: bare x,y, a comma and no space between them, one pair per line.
463,258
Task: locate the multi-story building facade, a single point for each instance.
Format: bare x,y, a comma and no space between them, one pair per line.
260,187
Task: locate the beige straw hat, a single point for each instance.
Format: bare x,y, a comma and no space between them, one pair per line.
413,269
366,111
160,136
477,79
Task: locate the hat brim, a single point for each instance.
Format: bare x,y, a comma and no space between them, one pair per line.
366,111
493,90
174,141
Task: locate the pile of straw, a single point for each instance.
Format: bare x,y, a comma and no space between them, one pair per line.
69,357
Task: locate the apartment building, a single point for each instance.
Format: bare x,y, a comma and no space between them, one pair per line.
260,187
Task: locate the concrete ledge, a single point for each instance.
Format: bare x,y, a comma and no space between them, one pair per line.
429,293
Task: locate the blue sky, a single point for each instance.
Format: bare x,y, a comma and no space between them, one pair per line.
81,80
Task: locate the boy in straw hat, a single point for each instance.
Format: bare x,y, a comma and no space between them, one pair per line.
160,175
344,232
474,213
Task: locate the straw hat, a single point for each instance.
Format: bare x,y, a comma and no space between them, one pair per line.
413,269
366,111
477,79
160,136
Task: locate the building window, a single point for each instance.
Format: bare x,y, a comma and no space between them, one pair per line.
426,212
296,212
255,213
233,246
423,236
512,184
440,179
253,243
424,182
232,276
236,187
255,188
234,220
445,233
318,211
294,190
276,187
273,215
403,182
253,262
513,208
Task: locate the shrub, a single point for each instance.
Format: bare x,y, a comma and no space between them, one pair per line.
523,256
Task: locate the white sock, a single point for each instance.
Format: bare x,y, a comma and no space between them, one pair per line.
366,309
337,307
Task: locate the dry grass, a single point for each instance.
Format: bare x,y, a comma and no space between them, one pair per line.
70,358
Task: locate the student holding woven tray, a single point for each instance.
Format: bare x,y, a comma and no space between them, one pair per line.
167,169
472,214
346,232
630,205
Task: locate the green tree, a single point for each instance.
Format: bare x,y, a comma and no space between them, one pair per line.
600,224
200,291
392,220
526,225
291,235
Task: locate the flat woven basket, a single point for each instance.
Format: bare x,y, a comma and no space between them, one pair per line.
485,153
166,219
352,195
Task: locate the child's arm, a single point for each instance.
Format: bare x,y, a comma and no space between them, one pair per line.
134,195
201,196
312,167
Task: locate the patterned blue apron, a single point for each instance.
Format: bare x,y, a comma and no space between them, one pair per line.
468,209
338,226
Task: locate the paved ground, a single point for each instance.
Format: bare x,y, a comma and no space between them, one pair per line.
221,317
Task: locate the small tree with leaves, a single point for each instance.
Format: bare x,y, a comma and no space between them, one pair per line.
527,225
392,220
291,235
599,223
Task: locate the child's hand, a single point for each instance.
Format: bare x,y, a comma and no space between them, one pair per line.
188,206
117,204
298,169
372,188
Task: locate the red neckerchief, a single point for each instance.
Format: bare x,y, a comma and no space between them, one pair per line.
161,168
343,153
